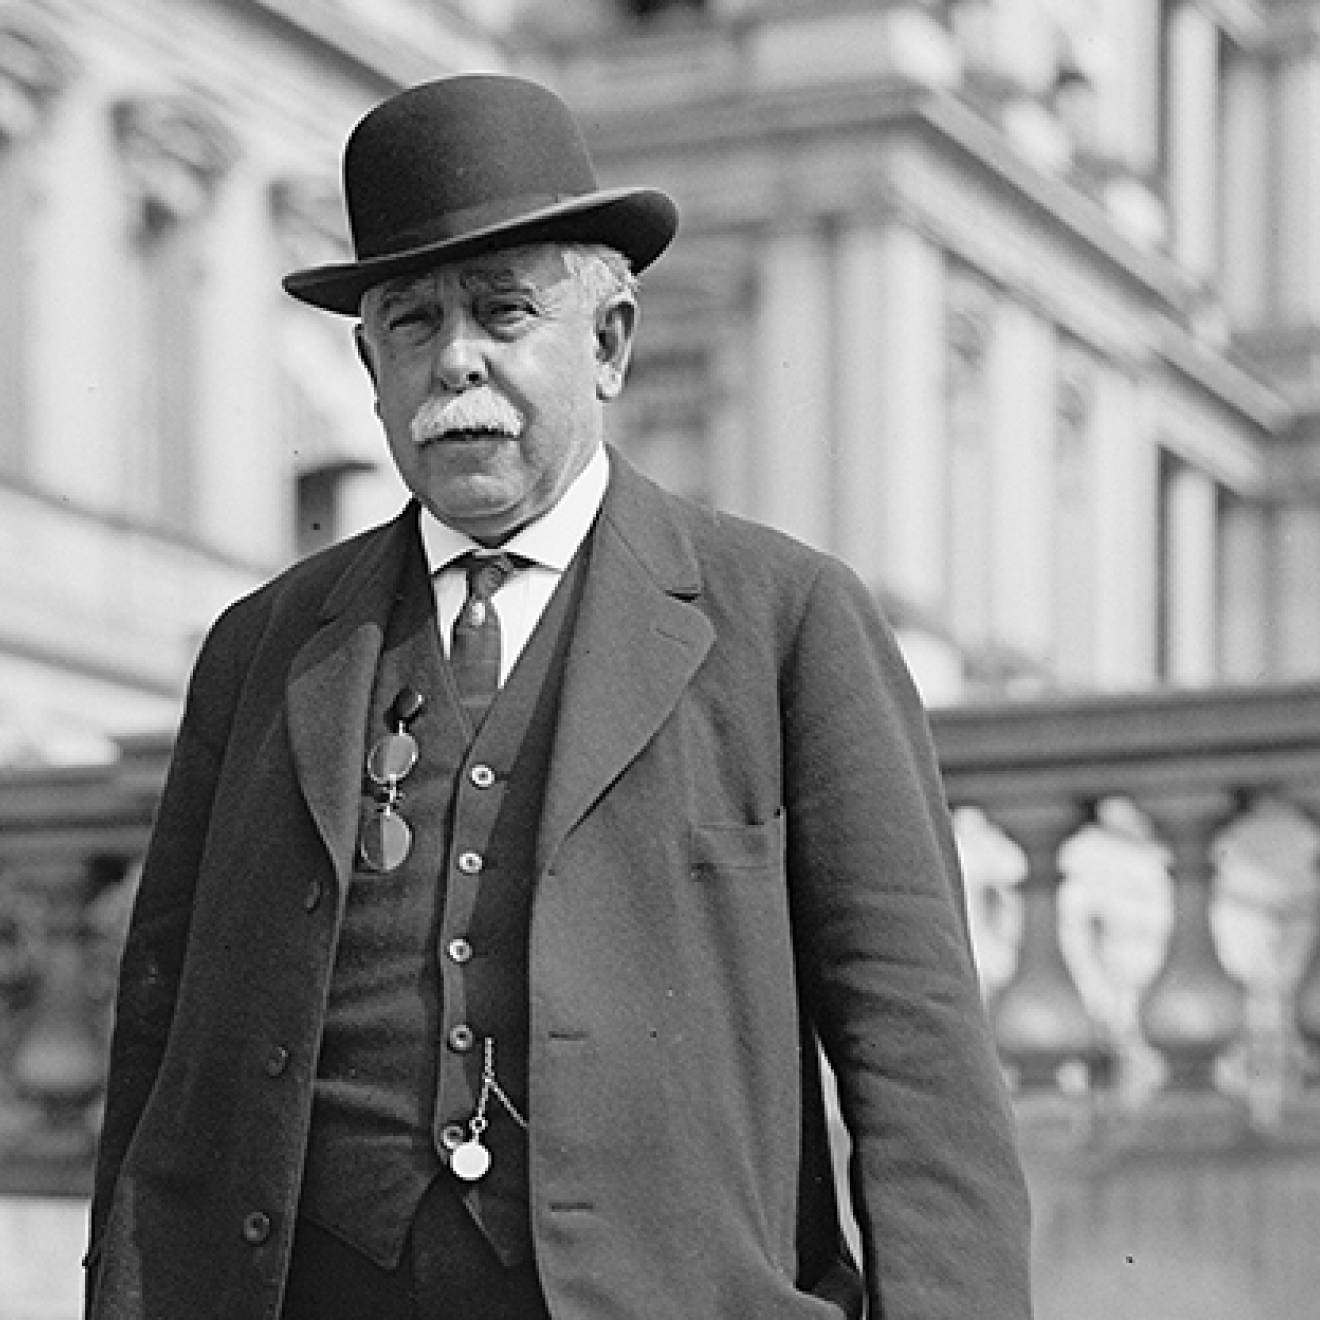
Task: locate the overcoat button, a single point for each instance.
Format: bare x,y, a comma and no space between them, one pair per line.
277,1060
459,950
453,1135
461,1038
256,1227
470,863
482,776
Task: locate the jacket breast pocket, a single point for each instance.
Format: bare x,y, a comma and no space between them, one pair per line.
738,850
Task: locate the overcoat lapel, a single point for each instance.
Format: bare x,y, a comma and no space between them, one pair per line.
636,644
330,683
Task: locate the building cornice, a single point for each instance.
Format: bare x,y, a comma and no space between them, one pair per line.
386,62
1224,381
889,107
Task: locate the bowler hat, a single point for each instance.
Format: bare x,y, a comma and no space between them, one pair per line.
467,164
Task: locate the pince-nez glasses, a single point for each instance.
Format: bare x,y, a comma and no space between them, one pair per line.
386,838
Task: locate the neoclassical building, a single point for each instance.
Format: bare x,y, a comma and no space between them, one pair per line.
171,422
1005,301
1011,303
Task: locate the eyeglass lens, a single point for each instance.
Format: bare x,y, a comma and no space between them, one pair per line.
386,838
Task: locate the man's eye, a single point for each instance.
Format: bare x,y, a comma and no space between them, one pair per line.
504,310
408,317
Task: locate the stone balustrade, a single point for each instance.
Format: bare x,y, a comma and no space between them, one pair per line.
70,841
1190,768
1202,773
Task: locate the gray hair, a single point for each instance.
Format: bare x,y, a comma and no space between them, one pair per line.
601,271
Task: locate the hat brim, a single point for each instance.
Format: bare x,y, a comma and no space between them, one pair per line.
639,222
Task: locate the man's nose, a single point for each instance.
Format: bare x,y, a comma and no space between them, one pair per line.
460,363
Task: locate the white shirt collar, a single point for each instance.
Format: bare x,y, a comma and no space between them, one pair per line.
552,540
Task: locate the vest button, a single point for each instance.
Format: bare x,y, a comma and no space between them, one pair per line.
470,863
453,1135
459,950
256,1228
461,1038
312,895
482,776
277,1060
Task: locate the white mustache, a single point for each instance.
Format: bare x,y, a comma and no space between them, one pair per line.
480,409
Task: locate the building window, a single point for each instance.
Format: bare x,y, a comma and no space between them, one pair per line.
321,467
321,380
317,511
174,155
651,10
662,418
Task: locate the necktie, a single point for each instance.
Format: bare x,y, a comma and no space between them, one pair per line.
474,648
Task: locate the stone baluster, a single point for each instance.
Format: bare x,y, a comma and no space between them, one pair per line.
19,977
56,1064
1306,996
1040,1019
1193,1010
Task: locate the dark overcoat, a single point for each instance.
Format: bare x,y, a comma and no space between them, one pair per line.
744,848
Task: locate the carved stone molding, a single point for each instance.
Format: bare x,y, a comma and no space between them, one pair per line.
35,67
309,220
175,152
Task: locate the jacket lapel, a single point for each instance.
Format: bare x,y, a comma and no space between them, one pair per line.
636,644
330,683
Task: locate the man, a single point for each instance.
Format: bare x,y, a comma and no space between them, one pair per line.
496,914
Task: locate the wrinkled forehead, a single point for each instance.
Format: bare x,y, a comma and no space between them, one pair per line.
537,267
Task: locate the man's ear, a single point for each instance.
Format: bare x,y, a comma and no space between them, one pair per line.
364,356
364,350
616,324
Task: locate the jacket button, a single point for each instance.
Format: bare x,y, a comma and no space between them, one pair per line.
453,1135
482,776
470,863
256,1227
461,1038
459,950
277,1060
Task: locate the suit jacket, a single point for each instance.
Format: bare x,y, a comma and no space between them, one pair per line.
744,850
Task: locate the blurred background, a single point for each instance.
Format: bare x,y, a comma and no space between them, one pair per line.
1013,304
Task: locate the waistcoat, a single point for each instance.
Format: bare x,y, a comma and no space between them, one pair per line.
432,956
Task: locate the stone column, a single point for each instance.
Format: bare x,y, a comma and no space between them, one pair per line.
1021,429
902,407
861,303
1246,594
1251,187
1130,96
1296,612
793,385
1191,576
1126,496
1294,246
887,480
1192,147
33,73
173,151
244,485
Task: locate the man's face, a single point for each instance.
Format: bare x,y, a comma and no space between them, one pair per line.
491,376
